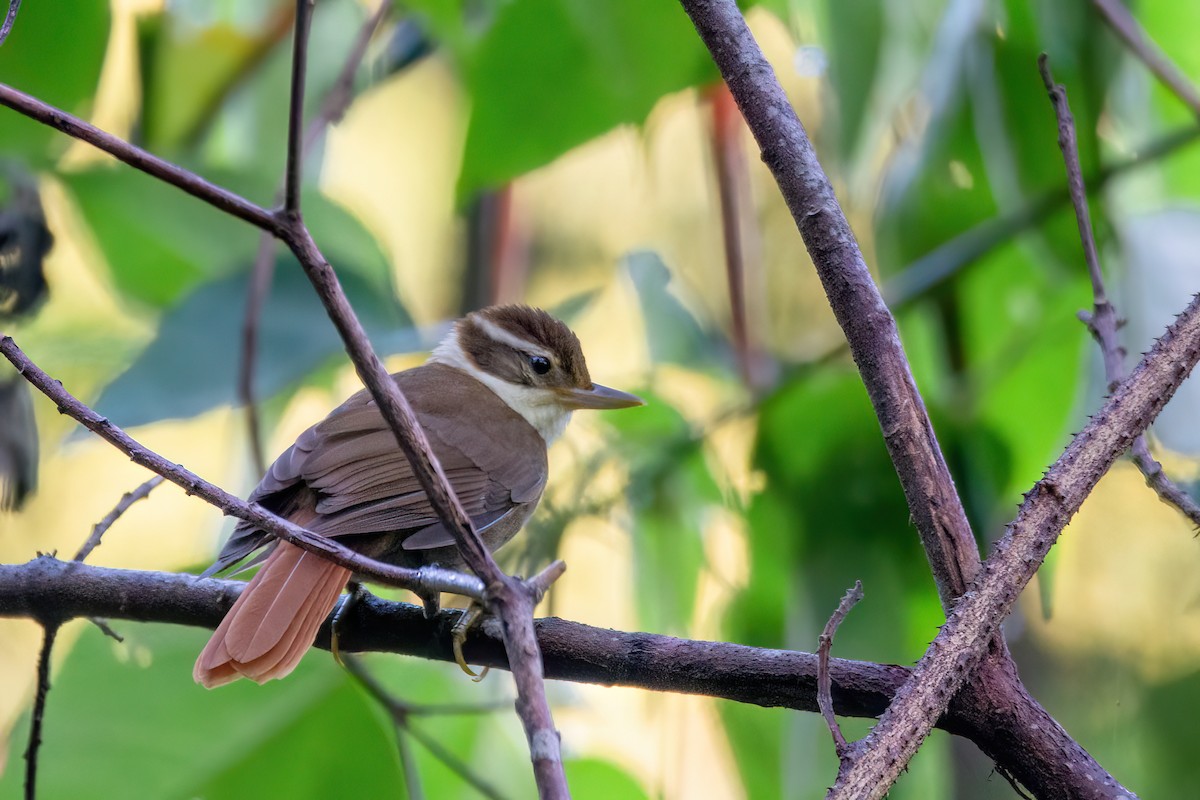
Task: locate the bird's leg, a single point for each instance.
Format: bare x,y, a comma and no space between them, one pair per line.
431,602
357,594
458,634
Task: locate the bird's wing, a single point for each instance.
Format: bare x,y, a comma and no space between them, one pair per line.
350,471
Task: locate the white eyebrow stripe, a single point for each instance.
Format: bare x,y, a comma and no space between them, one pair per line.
498,334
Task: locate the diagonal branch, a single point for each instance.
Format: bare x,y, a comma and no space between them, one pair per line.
870,329
128,499
216,196
1126,27
10,19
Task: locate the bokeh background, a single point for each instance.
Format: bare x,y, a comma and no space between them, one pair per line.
569,154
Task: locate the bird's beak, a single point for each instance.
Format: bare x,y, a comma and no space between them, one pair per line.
599,397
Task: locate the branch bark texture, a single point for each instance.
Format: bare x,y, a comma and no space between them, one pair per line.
1047,508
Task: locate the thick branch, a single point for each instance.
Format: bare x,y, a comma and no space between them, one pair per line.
1048,507
870,330
572,652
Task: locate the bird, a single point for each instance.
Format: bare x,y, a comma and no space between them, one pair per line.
493,395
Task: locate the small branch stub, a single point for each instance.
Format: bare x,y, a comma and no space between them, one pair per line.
824,680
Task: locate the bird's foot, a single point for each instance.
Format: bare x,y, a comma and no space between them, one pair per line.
458,635
357,594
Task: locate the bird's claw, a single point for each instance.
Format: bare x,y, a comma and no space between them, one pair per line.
458,635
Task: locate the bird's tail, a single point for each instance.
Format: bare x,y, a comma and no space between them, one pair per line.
274,621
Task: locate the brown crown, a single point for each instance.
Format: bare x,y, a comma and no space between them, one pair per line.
530,325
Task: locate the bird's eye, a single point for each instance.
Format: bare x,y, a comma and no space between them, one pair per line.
540,364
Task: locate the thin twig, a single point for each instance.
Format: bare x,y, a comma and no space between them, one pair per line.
295,158
408,763
259,287
730,171
401,713
9,19
216,196
101,527
422,581
50,632
334,106
824,681
1103,322
455,764
1127,28
107,629
339,96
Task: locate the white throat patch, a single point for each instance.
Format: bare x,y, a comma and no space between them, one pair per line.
539,407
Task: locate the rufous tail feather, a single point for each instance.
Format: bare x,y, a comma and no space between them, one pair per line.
275,620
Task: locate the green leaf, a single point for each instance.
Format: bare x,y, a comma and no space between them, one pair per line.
127,721
158,241
53,53
673,333
315,769
191,366
550,74
671,488
593,779
187,68
854,47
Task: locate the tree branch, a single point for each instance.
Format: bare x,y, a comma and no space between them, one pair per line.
824,681
870,329
572,652
295,153
49,634
874,342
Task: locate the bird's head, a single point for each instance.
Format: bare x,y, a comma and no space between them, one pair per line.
532,361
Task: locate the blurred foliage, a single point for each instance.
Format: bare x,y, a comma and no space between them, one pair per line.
745,513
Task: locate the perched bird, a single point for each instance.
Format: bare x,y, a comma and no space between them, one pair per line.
493,395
